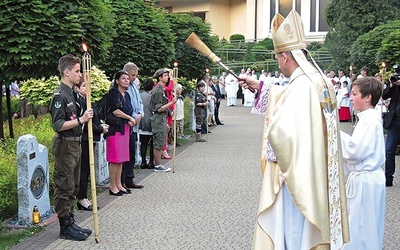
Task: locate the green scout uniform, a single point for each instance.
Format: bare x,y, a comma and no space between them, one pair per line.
158,119
66,149
199,111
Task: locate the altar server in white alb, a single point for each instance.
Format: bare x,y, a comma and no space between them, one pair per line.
303,200
231,88
364,156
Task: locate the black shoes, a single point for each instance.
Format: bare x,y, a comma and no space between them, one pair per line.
220,123
69,230
134,186
81,207
115,194
127,191
147,166
78,228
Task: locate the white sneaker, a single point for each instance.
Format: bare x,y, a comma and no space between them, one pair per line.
161,168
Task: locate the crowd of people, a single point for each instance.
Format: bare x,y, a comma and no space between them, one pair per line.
135,121
301,137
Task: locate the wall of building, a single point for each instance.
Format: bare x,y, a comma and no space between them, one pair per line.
219,17
229,17
238,17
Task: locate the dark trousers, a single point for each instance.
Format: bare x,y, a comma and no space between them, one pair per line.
145,140
85,171
67,168
392,140
127,168
216,112
204,124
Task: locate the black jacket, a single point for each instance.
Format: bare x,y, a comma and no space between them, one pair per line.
393,94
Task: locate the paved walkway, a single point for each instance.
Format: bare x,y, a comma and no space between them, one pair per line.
210,202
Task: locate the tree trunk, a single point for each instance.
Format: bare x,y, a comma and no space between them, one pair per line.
26,109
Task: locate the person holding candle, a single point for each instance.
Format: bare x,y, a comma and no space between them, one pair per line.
67,119
200,109
169,91
160,106
118,135
98,129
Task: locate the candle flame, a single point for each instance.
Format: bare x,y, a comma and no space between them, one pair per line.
383,65
351,68
175,64
84,47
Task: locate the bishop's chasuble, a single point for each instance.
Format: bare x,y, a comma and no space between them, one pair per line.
301,154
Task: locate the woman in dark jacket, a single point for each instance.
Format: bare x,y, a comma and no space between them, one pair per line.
98,128
117,140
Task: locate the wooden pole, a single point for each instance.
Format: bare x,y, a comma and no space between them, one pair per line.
175,76
87,65
208,78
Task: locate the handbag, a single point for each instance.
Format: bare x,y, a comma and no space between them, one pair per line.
113,120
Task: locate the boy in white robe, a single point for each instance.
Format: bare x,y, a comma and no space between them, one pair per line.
363,157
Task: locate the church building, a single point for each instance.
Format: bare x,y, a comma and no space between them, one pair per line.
252,18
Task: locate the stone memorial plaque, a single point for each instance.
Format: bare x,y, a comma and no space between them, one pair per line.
33,178
100,163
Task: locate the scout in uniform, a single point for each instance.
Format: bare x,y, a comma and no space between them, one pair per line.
67,120
160,107
200,102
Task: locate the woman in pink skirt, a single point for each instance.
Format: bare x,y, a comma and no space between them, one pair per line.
117,138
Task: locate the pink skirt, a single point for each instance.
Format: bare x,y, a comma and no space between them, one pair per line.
117,147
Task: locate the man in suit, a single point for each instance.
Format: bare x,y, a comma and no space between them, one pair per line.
216,89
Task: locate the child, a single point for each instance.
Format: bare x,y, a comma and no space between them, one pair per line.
344,102
200,112
363,157
179,109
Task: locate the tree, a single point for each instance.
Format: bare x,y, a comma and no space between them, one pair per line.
191,62
364,51
350,19
35,34
390,49
143,37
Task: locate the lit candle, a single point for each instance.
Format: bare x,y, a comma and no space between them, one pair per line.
87,65
175,70
35,215
383,72
351,70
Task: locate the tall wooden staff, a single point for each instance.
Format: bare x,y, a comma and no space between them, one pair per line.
195,42
87,66
208,78
175,76
383,82
351,111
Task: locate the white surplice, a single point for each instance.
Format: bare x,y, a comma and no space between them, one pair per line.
231,88
364,155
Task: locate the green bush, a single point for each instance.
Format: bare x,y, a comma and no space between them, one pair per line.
41,129
40,91
237,38
187,85
15,107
